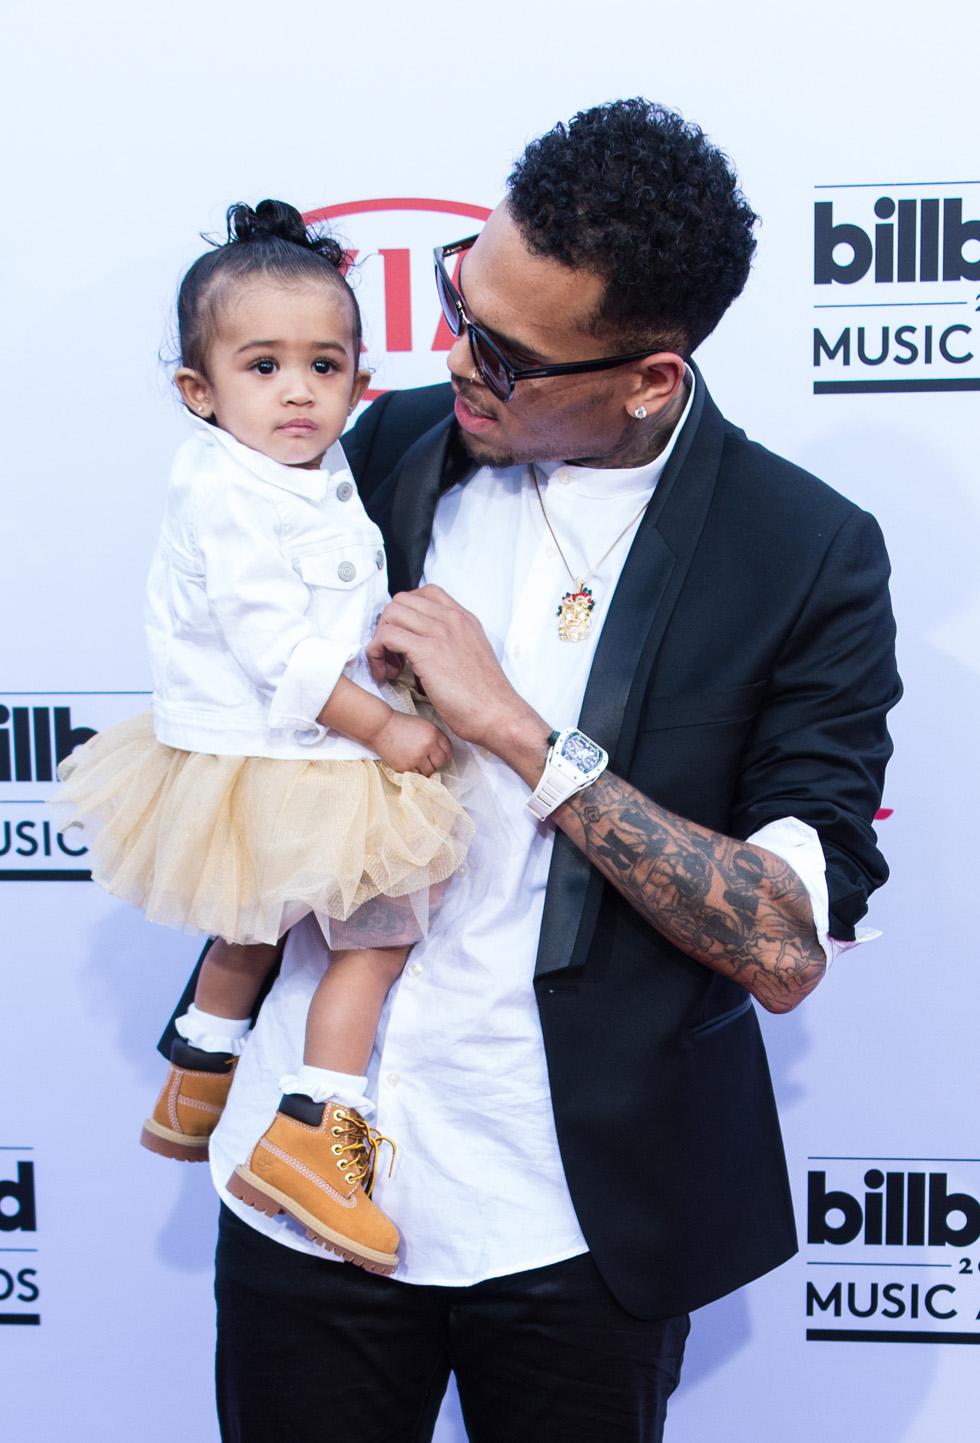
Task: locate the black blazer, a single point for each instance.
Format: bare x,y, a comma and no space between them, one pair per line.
743,674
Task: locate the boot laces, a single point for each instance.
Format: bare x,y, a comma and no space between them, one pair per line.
363,1143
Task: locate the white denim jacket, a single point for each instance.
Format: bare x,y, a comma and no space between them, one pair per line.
266,584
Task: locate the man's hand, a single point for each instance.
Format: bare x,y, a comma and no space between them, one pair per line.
448,650
412,744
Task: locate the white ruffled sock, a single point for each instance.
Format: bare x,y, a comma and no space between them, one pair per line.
213,1034
324,1085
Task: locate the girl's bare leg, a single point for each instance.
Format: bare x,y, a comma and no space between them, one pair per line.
346,1007
230,978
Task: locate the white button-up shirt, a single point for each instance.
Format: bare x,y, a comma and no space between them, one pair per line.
264,588
459,1070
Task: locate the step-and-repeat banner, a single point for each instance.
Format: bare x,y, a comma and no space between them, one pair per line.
855,351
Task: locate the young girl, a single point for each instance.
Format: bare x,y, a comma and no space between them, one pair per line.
274,777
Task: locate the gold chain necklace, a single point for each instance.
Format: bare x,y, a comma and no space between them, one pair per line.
576,606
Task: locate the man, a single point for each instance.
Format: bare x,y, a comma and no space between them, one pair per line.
571,1065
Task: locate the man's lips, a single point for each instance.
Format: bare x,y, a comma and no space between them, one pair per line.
469,417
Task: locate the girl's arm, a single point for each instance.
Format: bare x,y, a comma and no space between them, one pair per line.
404,743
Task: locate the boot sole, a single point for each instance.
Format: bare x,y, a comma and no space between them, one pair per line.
176,1145
251,1189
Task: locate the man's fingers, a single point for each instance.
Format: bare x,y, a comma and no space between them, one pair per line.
377,661
428,596
418,620
396,639
416,608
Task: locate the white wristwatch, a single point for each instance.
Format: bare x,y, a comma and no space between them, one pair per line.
574,761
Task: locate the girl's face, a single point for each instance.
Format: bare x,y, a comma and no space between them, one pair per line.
283,373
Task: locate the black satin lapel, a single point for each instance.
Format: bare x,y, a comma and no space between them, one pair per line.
648,588
407,504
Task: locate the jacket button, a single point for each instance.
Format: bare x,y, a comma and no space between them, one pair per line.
379,560
344,491
347,571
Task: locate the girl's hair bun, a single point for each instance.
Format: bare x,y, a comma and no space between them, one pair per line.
272,240
274,220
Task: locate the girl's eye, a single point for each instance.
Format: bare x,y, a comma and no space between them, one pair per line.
264,365
323,367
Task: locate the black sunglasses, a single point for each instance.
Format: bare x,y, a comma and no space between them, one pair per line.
495,370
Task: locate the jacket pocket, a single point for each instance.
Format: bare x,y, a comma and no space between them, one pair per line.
344,568
691,709
715,1024
347,587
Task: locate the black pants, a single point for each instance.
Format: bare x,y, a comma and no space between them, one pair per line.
313,1351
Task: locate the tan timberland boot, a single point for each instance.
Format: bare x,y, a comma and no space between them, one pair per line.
190,1103
316,1162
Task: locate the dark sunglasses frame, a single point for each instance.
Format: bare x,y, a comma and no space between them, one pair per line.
502,384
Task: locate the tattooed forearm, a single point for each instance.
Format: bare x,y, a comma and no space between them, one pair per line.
735,907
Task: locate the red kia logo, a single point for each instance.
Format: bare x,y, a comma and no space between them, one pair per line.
391,242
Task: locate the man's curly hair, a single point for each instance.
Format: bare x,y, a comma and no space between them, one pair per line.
638,196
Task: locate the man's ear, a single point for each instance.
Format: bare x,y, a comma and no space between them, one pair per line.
656,381
195,391
360,385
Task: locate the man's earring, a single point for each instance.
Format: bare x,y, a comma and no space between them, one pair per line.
640,412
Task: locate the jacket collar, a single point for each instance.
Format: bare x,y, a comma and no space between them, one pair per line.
311,485
404,506
647,591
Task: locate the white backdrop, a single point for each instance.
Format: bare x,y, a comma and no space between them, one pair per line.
129,130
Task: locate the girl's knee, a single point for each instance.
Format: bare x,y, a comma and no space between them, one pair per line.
250,959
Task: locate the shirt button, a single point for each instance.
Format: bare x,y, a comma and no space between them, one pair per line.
517,651
551,552
393,1079
415,969
562,476
347,571
344,491
379,560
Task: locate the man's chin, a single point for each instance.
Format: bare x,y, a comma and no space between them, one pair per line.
485,453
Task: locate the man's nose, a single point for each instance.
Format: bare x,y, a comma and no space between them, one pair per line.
459,359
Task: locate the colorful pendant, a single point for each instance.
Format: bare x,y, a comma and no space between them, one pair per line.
575,613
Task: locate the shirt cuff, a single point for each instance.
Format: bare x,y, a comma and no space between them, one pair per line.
312,672
798,845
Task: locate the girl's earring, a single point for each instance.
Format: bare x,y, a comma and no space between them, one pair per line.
640,412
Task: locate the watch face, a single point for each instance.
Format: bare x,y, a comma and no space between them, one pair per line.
581,752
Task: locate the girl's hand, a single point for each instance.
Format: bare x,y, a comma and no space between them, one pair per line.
411,744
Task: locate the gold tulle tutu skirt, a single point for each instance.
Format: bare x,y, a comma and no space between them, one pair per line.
242,847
